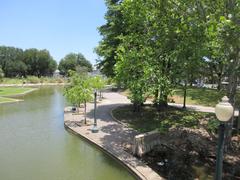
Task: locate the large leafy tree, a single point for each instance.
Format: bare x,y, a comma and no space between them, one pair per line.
11,61
74,62
39,62
169,39
17,63
107,48
223,31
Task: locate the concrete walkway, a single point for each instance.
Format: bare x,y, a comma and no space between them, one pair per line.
195,107
112,136
200,108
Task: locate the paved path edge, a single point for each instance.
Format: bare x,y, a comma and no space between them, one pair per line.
129,168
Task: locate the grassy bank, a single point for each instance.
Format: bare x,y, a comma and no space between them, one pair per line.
32,80
7,92
13,91
196,96
7,100
201,96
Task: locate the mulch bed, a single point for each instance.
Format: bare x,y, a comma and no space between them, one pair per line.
187,154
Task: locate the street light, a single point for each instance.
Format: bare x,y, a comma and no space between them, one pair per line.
94,128
224,112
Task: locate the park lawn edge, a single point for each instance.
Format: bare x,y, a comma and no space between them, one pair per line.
5,100
8,98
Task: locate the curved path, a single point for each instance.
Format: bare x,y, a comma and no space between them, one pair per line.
112,137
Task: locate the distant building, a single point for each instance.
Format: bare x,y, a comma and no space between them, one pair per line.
57,73
95,72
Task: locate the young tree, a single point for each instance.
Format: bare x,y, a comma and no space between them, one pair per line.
97,83
80,91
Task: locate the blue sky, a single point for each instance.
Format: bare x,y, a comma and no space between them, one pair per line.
61,26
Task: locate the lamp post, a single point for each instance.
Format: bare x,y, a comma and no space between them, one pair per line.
224,112
94,128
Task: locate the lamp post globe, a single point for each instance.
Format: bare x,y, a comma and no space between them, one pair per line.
224,112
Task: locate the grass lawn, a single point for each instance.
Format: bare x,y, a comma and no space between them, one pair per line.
196,96
12,91
201,96
33,80
6,100
149,119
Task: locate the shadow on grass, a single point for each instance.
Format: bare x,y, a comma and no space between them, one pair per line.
202,96
150,119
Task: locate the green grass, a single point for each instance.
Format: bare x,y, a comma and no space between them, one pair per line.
6,92
32,80
12,91
197,96
150,119
201,96
6,100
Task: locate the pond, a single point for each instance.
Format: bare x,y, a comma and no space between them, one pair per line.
35,145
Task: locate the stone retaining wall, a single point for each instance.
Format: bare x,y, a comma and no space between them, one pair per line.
144,143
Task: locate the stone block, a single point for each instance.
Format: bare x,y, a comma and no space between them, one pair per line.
144,143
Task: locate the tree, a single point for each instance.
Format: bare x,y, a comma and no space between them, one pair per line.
80,91
39,62
114,27
1,74
97,83
74,62
133,73
169,39
223,30
15,69
11,61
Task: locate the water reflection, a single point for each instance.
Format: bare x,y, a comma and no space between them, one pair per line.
35,145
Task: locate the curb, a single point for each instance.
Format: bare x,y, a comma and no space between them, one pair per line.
115,119
134,166
108,152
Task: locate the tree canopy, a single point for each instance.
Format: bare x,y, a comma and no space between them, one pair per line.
74,62
149,46
17,63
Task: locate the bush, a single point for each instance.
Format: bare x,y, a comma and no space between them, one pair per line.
33,79
212,125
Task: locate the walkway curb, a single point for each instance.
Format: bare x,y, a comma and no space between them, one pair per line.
111,140
136,175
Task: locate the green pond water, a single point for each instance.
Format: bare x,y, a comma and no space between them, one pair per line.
34,144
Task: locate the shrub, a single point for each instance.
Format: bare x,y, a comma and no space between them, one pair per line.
33,79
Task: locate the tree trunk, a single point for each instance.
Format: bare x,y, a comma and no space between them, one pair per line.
85,112
232,89
136,107
162,102
219,82
185,94
156,94
78,108
100,95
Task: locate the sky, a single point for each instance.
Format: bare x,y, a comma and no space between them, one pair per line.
60,26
